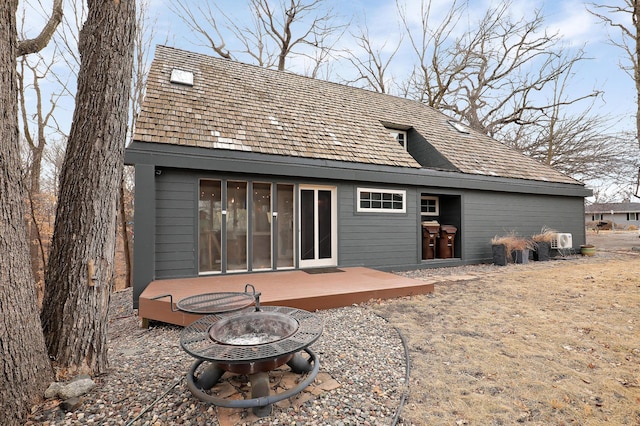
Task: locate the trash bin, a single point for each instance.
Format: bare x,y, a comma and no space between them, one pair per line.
446,247
430,232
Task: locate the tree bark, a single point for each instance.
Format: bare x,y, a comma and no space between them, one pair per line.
38,43
81,264
24,367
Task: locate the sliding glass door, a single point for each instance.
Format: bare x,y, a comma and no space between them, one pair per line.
242,224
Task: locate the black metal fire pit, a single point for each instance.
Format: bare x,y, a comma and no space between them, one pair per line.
253,343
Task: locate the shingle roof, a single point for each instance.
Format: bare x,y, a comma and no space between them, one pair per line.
615,207
234,106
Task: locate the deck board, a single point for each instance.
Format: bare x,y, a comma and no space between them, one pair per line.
295,288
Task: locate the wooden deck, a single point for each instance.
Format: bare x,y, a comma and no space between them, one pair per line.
298,289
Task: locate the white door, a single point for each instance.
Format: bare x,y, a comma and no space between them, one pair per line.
318,226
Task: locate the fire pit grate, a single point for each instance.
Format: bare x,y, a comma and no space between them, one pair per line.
216,303
197,341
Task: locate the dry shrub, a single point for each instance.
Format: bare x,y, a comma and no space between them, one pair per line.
632,228
546,235
513,242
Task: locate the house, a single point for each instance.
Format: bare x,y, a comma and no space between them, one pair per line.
241,169
621,215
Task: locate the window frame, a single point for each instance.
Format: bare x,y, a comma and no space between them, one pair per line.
430,197
397,132
381,191
633,217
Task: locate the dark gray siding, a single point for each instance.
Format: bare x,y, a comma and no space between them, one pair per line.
376,239
175,224
425,153
487,214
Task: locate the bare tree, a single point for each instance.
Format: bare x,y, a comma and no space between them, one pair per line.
81,264
438,64
490,76
273,34
369,61
625,18
511,63
24,366
39,116
201,20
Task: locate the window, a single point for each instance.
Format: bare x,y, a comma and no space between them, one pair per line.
429,205
597,216
633,216
209,224
381,200
401,136
459,126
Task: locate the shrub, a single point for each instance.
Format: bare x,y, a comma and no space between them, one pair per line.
513,242
546,235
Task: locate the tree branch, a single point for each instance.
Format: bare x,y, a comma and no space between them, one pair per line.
38,43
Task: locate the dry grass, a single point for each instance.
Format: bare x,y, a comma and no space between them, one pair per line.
547,343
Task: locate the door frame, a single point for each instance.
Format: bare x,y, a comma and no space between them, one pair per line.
333,260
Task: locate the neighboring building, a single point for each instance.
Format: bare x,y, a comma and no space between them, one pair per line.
621,215
244,169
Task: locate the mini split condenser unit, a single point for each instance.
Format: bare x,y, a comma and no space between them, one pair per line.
562,241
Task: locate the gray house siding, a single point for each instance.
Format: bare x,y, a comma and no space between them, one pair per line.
376,239
488,214
175,224
425,153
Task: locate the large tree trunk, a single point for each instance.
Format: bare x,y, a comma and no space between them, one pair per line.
24,366
81,264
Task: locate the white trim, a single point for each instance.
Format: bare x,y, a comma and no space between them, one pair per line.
401,192
401,140
430,197
333,260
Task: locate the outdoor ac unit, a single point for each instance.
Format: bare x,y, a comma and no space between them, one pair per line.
562,241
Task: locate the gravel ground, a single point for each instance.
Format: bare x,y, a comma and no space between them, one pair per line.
146,386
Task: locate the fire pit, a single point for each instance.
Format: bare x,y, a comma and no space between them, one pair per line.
253,343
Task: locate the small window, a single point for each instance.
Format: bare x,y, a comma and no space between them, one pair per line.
401,136
633,216
461,128
597,216
381,200
429,205
181,77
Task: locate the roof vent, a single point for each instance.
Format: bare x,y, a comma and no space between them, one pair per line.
182,77
458,126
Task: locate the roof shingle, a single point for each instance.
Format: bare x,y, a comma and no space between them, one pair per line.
239,107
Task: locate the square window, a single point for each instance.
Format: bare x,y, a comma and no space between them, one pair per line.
429,205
